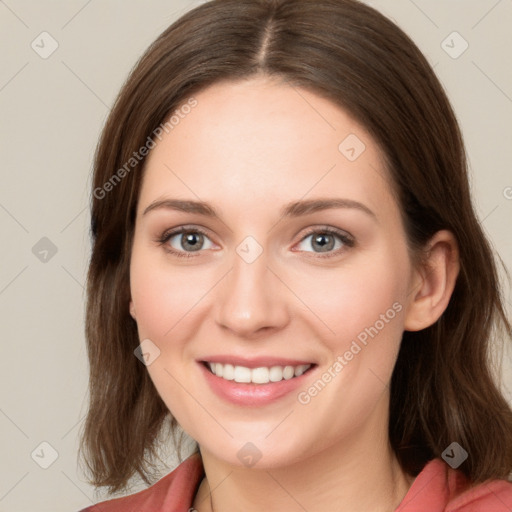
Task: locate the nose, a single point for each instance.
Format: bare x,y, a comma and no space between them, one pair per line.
252,299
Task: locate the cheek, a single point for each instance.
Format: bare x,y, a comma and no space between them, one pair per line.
362,304
162,295
164,299
349,301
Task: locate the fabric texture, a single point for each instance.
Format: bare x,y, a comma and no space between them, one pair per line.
437,488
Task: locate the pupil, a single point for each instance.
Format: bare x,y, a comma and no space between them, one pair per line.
321,241
193,240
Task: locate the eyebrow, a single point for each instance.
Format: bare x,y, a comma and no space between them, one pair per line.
293,209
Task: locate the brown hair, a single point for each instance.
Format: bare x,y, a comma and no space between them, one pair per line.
442,387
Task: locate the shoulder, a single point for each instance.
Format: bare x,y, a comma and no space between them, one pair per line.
175,491
490,496
440,488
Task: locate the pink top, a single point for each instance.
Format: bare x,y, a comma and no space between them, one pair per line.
438,488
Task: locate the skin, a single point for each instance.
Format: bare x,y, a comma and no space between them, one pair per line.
249,148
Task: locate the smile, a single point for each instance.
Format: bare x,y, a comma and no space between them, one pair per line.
254,381
260,375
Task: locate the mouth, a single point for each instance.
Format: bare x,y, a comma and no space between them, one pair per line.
257,374
254,382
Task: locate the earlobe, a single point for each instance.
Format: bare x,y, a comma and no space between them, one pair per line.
132,310
434,283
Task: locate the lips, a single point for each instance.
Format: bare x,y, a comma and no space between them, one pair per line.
260,391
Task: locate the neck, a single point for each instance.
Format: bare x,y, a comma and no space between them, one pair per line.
358,474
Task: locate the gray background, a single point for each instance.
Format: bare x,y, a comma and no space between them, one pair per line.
52,110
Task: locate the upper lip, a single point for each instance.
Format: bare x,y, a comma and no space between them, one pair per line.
254,362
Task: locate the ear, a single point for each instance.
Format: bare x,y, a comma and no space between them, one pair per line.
433,284
132,310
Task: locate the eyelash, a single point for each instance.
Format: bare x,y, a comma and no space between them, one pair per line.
324,230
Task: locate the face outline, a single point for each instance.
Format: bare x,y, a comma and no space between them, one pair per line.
248,149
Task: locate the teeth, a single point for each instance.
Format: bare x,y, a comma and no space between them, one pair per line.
262,375
228,372
299,370
242,374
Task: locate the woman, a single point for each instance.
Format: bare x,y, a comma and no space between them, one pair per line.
287,265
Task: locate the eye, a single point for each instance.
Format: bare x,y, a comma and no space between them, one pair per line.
326,240
185,240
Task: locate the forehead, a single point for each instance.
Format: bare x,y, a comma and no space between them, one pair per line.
264,139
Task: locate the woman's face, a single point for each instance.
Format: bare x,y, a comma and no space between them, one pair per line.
260,284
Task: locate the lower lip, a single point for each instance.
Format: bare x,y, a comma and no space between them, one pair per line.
250,394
